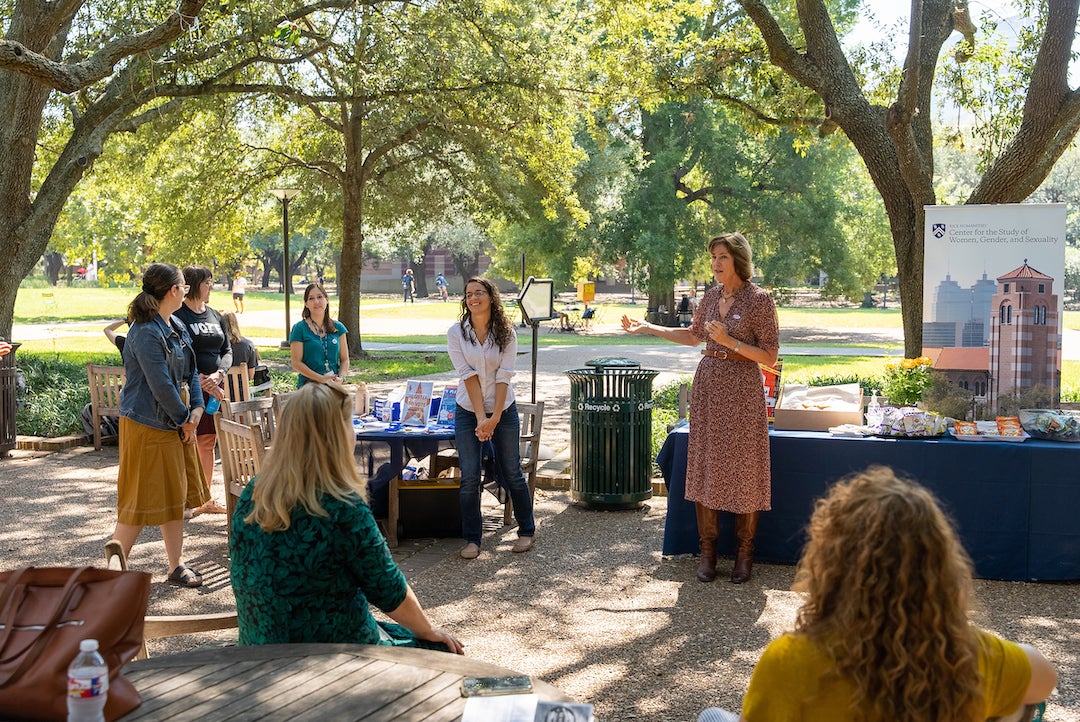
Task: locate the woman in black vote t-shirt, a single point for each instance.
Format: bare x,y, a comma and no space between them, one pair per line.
213,357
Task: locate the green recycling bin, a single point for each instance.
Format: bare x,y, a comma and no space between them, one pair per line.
611,433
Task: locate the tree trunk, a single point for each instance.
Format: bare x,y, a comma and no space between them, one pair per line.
28,214
22,103
467,266
420,269
352,231
662,291
896,143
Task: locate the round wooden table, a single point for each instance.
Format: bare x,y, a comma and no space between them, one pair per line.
309,682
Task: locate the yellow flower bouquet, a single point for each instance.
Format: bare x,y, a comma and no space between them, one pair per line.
906,381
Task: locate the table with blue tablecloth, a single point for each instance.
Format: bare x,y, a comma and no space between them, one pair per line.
1016,505
384,478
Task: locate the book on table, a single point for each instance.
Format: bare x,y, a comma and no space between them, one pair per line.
414,409
447,407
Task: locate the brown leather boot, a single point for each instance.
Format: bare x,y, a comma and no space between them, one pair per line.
745,530
708,524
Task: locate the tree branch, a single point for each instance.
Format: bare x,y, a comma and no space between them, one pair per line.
1050,119
781,52
68,78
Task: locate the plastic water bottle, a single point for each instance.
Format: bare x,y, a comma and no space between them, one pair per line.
213,405
88,684
874,412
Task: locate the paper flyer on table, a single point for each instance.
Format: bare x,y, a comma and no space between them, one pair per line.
524,708
503,708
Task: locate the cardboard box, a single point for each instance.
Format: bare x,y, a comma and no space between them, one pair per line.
428,509
812,420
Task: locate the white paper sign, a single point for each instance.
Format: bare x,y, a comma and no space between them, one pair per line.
501,708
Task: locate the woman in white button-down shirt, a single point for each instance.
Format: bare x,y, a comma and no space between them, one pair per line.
483,347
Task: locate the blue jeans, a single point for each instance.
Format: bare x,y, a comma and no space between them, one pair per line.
505,439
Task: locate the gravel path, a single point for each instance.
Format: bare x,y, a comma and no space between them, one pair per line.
594,609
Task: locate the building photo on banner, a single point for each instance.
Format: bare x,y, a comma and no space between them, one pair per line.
992,297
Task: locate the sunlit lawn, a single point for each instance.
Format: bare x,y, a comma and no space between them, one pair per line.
92,303
86,307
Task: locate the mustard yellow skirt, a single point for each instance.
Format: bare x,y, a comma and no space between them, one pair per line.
159,475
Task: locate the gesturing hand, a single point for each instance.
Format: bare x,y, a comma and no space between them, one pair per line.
633,325
718,332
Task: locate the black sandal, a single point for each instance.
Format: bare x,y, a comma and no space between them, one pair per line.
182,576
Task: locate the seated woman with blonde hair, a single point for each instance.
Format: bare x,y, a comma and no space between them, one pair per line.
307,556
883,634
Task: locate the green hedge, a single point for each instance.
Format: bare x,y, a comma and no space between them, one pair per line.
55,391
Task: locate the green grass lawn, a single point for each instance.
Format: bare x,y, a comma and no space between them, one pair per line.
92,303
85,308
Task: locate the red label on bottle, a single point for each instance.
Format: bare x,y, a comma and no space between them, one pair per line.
79,688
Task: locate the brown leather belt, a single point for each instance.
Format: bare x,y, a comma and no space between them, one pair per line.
726,354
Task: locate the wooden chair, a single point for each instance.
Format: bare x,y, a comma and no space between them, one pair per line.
532,421
242,451
683,406
237,383
258,410
155,627
279,403
159,627
105,385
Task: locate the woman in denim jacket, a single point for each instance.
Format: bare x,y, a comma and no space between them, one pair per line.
160,407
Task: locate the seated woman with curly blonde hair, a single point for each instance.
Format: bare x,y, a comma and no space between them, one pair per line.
307,557
883,634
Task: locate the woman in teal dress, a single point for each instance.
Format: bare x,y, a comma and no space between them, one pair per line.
307,556
318,348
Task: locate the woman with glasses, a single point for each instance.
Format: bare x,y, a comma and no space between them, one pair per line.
213,355
160,409
483,348
318,346
307,556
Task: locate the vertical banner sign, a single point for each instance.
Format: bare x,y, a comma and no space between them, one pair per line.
993,297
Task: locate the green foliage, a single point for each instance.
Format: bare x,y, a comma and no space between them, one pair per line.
667,396
906,381
1070,381
946,398
56,392
665,413
1036,397
992,85
781,295
867,384
373,367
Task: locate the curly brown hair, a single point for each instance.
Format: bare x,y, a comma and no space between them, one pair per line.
889,590
499,326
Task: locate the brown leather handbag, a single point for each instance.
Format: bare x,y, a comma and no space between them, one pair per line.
44,614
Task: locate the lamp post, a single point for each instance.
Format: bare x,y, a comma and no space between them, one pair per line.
285,195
